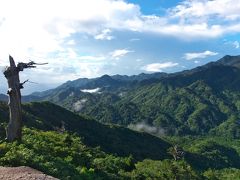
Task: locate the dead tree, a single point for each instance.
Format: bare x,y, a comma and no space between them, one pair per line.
14,128
177,152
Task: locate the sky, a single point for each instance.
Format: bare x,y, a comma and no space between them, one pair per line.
79,38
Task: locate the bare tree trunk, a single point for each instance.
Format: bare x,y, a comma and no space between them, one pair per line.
14,128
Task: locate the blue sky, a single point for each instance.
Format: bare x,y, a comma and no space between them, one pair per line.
91,38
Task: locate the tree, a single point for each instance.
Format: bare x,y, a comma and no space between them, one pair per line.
14,128
177,152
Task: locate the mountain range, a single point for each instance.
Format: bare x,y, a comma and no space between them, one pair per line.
202,100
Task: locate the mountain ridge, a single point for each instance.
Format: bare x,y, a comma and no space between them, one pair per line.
86,83
188,102
191,102
227,60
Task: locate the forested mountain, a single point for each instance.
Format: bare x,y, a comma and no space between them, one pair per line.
68,146
113,139
203,100
65,144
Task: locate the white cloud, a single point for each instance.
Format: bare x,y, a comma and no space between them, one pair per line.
227,9
104,35
205,18
71,53
71,42
196,62
236,44
159,67
118,53
201,55
143,127
96,90
61,69
38,28
41,26
190,31
92,58
78,105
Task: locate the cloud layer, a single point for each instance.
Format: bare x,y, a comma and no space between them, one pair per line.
42,27
199,55
159,67
118,53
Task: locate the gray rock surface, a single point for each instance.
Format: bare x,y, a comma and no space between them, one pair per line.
23,173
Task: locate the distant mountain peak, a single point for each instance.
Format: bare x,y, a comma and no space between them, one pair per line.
105,76
230,61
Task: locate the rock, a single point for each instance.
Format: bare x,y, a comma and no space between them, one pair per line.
24,173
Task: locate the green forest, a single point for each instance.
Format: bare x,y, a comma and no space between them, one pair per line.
86,149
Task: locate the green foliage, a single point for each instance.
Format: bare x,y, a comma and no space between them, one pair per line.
114,165
229,128
89,150
224,174
166,169
51,153
210,152
110,138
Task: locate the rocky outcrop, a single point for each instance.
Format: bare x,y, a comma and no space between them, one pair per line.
23,173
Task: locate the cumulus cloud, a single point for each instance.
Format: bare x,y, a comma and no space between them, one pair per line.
227,9
104,35
206,18
41,27
118,53
71,42
159,67
27,29
60,70
200,55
